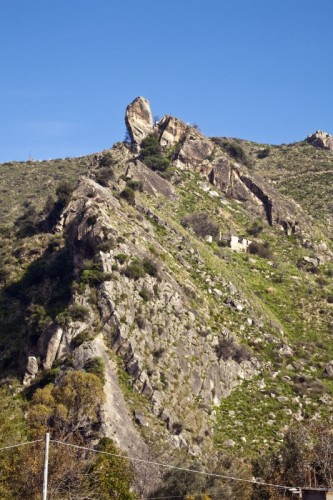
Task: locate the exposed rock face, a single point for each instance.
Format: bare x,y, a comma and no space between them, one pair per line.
31,370
159,338
152,182
171,130
321,140
201,155
138,119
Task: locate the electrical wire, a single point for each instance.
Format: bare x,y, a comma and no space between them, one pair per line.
194,471
20,444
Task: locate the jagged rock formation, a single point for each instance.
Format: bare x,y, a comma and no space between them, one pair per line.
138,119
321,139
160,341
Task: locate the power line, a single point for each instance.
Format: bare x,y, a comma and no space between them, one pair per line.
194,471
20,444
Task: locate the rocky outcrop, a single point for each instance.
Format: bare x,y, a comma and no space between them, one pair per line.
170,130
321,139
148,321
153,183
138,119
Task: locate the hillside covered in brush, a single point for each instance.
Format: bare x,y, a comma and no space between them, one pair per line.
185,283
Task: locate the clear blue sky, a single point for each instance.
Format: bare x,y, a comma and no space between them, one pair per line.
255,69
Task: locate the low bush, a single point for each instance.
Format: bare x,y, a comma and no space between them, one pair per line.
82,337
96,366
202,225
135,270
78,312
135,185
103,176
128,194
263,153
233,149
227,348
260,249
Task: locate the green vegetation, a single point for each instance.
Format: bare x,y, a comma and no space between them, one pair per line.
154,157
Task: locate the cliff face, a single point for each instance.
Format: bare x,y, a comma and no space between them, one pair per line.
196,285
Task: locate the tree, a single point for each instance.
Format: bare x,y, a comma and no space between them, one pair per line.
68,409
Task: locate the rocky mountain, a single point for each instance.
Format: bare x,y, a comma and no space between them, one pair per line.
193,274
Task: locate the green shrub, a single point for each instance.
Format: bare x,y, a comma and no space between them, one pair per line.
128,194
93,273
82,337
202,225
145,294
135,185
152,155
227,348
233,149
255,229
78,312
103,176
106,160
96,366
121,258
135,270
260,249
150,267
263,153
107,245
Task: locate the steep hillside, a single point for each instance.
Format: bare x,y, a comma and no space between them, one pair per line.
192,277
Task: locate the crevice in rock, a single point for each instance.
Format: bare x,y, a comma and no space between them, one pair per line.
258,193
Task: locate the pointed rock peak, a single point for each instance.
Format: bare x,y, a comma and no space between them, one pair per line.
138,119
321,139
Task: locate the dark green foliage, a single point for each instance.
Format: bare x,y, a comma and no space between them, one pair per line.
128,194
78,312
135,185
115,473
103,176
107,160
152,154
121,258
263,153
27,223
227,348
52,211
107,245
96,366
93,273
260,249
82,337
255,229
91,219
233,149
145,294
150,267
202,225
135,270
29,304
139,268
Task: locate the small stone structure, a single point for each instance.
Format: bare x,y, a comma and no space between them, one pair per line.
239,244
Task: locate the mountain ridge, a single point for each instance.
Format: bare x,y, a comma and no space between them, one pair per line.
179,271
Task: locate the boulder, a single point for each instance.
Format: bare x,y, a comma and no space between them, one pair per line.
31,370
321,139
138,119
